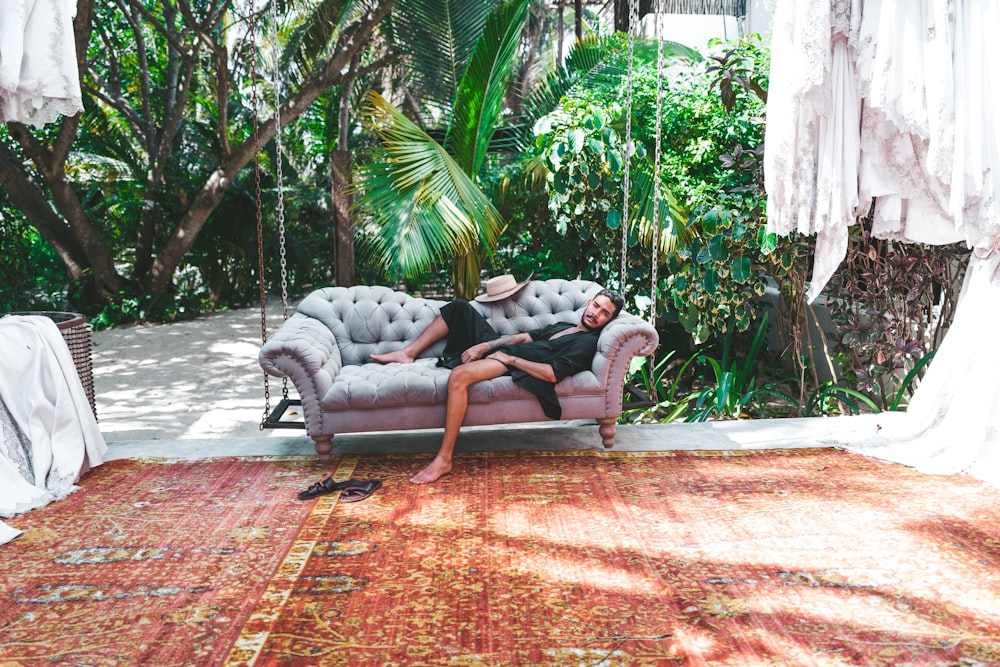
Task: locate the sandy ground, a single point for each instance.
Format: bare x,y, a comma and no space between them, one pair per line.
194,379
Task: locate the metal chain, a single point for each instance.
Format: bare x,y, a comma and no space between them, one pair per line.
633,9
656,169
279,159
255,97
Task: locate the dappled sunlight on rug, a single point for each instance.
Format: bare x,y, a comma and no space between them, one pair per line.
150,563
800,557
793,557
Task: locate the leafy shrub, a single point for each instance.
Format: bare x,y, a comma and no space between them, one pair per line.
892,303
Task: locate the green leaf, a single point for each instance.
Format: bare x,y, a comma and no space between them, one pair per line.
741,270
718,248
614,219
711,282
575,138
710,221
787,260
595,145
767,242
615,161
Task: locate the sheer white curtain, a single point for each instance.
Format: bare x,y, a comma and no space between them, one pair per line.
897,101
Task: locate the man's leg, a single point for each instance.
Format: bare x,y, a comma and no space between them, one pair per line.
459,381
459,323
434,332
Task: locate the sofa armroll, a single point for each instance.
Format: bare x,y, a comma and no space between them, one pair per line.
305,351
622,339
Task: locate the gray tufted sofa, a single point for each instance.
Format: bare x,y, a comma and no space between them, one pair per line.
324,350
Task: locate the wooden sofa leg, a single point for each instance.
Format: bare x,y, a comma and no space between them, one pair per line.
324,445
608,427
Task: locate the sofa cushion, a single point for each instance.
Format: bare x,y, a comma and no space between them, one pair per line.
382,386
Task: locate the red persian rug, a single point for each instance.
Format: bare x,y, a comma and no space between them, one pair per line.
795,557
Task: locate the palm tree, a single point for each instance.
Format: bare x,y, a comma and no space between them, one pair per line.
420,198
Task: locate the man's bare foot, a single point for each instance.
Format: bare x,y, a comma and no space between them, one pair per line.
398,356
435,469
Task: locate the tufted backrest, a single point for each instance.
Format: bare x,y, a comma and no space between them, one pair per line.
367,319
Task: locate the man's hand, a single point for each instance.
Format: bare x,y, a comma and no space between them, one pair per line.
503,358
532,368
475,352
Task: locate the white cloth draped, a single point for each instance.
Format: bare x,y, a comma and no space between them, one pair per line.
950,425
898,101
39,79
48,433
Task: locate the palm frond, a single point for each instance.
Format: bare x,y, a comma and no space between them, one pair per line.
426,207
670,213
436,38
482,91
313,30
592,60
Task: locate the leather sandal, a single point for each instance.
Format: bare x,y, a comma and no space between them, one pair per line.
355,490
322,488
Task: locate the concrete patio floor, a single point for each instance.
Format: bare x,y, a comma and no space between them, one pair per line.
194,389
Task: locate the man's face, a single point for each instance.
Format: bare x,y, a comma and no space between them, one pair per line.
599,311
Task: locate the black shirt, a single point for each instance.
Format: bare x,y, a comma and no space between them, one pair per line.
567,355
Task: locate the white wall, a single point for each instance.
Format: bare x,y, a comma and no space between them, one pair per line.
695,30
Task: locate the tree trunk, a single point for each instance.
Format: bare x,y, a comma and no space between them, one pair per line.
205,202
343,225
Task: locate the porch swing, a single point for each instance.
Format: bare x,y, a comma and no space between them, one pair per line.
642,400
284,413
287,411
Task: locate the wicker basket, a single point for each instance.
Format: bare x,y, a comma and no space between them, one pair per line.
76,332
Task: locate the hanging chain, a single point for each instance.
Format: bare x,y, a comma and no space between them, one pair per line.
255,97
633,12
279,159
656,169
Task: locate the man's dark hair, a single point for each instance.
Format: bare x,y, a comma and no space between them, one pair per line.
614,297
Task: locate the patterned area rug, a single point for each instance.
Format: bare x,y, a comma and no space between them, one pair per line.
797,557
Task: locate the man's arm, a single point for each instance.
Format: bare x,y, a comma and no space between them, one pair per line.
482,350
535,369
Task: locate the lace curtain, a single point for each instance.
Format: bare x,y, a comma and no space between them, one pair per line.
896,102
39,80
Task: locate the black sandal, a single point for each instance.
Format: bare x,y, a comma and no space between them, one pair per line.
322,488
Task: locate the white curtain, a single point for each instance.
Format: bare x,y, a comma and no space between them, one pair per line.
898,101
39,79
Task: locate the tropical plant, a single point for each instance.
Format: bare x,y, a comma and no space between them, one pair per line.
832,398
128,186
651,391
892,303
737,386
419,195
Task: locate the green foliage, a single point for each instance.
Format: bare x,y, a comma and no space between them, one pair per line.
420,197
714,279
830,398
659,384
737,387
31,275
585,157
891,302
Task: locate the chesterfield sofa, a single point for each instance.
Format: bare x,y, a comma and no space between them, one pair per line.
324,348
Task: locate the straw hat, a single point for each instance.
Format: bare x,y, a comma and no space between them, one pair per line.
501,287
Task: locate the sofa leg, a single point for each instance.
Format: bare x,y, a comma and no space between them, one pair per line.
608,427
324,445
